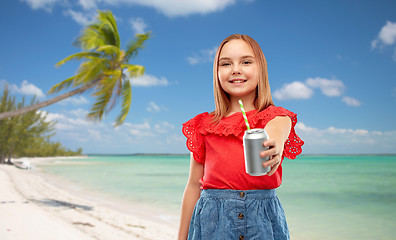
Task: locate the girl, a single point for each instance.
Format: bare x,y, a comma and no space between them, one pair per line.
229,203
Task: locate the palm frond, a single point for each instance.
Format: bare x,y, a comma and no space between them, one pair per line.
109,26
102,32
78,56
91,38
105,67
111,77
115,80
98,109
91,70
126,102
105,94
109,49
134,46
133,70
62,85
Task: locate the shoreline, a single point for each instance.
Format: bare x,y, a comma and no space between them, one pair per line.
33,195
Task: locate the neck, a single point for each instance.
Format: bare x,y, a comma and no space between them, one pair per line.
248,103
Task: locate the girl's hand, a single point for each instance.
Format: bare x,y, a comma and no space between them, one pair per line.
275,154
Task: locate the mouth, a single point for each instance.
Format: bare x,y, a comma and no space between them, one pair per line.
237,81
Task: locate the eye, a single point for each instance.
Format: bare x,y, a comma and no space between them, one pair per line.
225,64
247,62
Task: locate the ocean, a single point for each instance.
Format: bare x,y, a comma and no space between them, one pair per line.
324,196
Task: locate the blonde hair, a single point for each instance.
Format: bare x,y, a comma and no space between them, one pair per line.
263,97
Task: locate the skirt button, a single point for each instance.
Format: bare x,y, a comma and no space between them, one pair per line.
241,194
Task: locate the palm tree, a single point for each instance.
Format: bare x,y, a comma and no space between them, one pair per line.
105,70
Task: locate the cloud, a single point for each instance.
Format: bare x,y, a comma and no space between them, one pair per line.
138,25
88,4
138,130
355,132
330,88
170,8
294,90
52,116
345,140
27,88
82,18
79,112
95,134
164,127
147,136
46,5
388,33
79,100
172,139
153,107
148,80
299,90
351,101
74,130
136,137
178,8
386,37
62,122
75,120
66,122
301,127
205,55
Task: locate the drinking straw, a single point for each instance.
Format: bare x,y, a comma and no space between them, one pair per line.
244,115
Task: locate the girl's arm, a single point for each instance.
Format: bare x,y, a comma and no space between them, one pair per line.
191,195
278,130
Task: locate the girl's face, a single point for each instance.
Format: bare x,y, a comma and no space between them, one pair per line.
238,69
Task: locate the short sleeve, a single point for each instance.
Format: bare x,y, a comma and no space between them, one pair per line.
195,141
293,143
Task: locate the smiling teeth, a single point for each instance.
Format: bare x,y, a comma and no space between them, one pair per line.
238,81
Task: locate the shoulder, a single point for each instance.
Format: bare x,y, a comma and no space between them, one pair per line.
280,111
271,112
198,119
203,124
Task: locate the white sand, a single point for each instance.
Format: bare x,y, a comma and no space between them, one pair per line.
33,208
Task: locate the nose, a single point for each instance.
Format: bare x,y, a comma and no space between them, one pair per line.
236,70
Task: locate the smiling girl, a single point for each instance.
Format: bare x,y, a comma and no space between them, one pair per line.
221,201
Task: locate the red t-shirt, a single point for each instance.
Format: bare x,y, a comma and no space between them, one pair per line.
220,148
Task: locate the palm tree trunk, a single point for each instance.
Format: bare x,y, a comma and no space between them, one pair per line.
2,158
47,102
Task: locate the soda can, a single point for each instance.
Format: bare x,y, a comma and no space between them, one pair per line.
252,146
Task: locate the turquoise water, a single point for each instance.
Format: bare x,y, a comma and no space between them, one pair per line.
324,197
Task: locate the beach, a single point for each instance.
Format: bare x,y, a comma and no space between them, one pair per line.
346,197
32,207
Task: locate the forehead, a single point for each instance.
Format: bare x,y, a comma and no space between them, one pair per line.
236,48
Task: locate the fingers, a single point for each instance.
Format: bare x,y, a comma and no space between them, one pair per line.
268,153
274,155
274,163
269,143
273,169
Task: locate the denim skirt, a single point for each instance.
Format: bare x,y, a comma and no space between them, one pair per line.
240,215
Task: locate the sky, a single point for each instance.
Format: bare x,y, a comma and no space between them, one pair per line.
331,62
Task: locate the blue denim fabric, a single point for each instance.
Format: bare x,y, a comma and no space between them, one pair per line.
234,214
